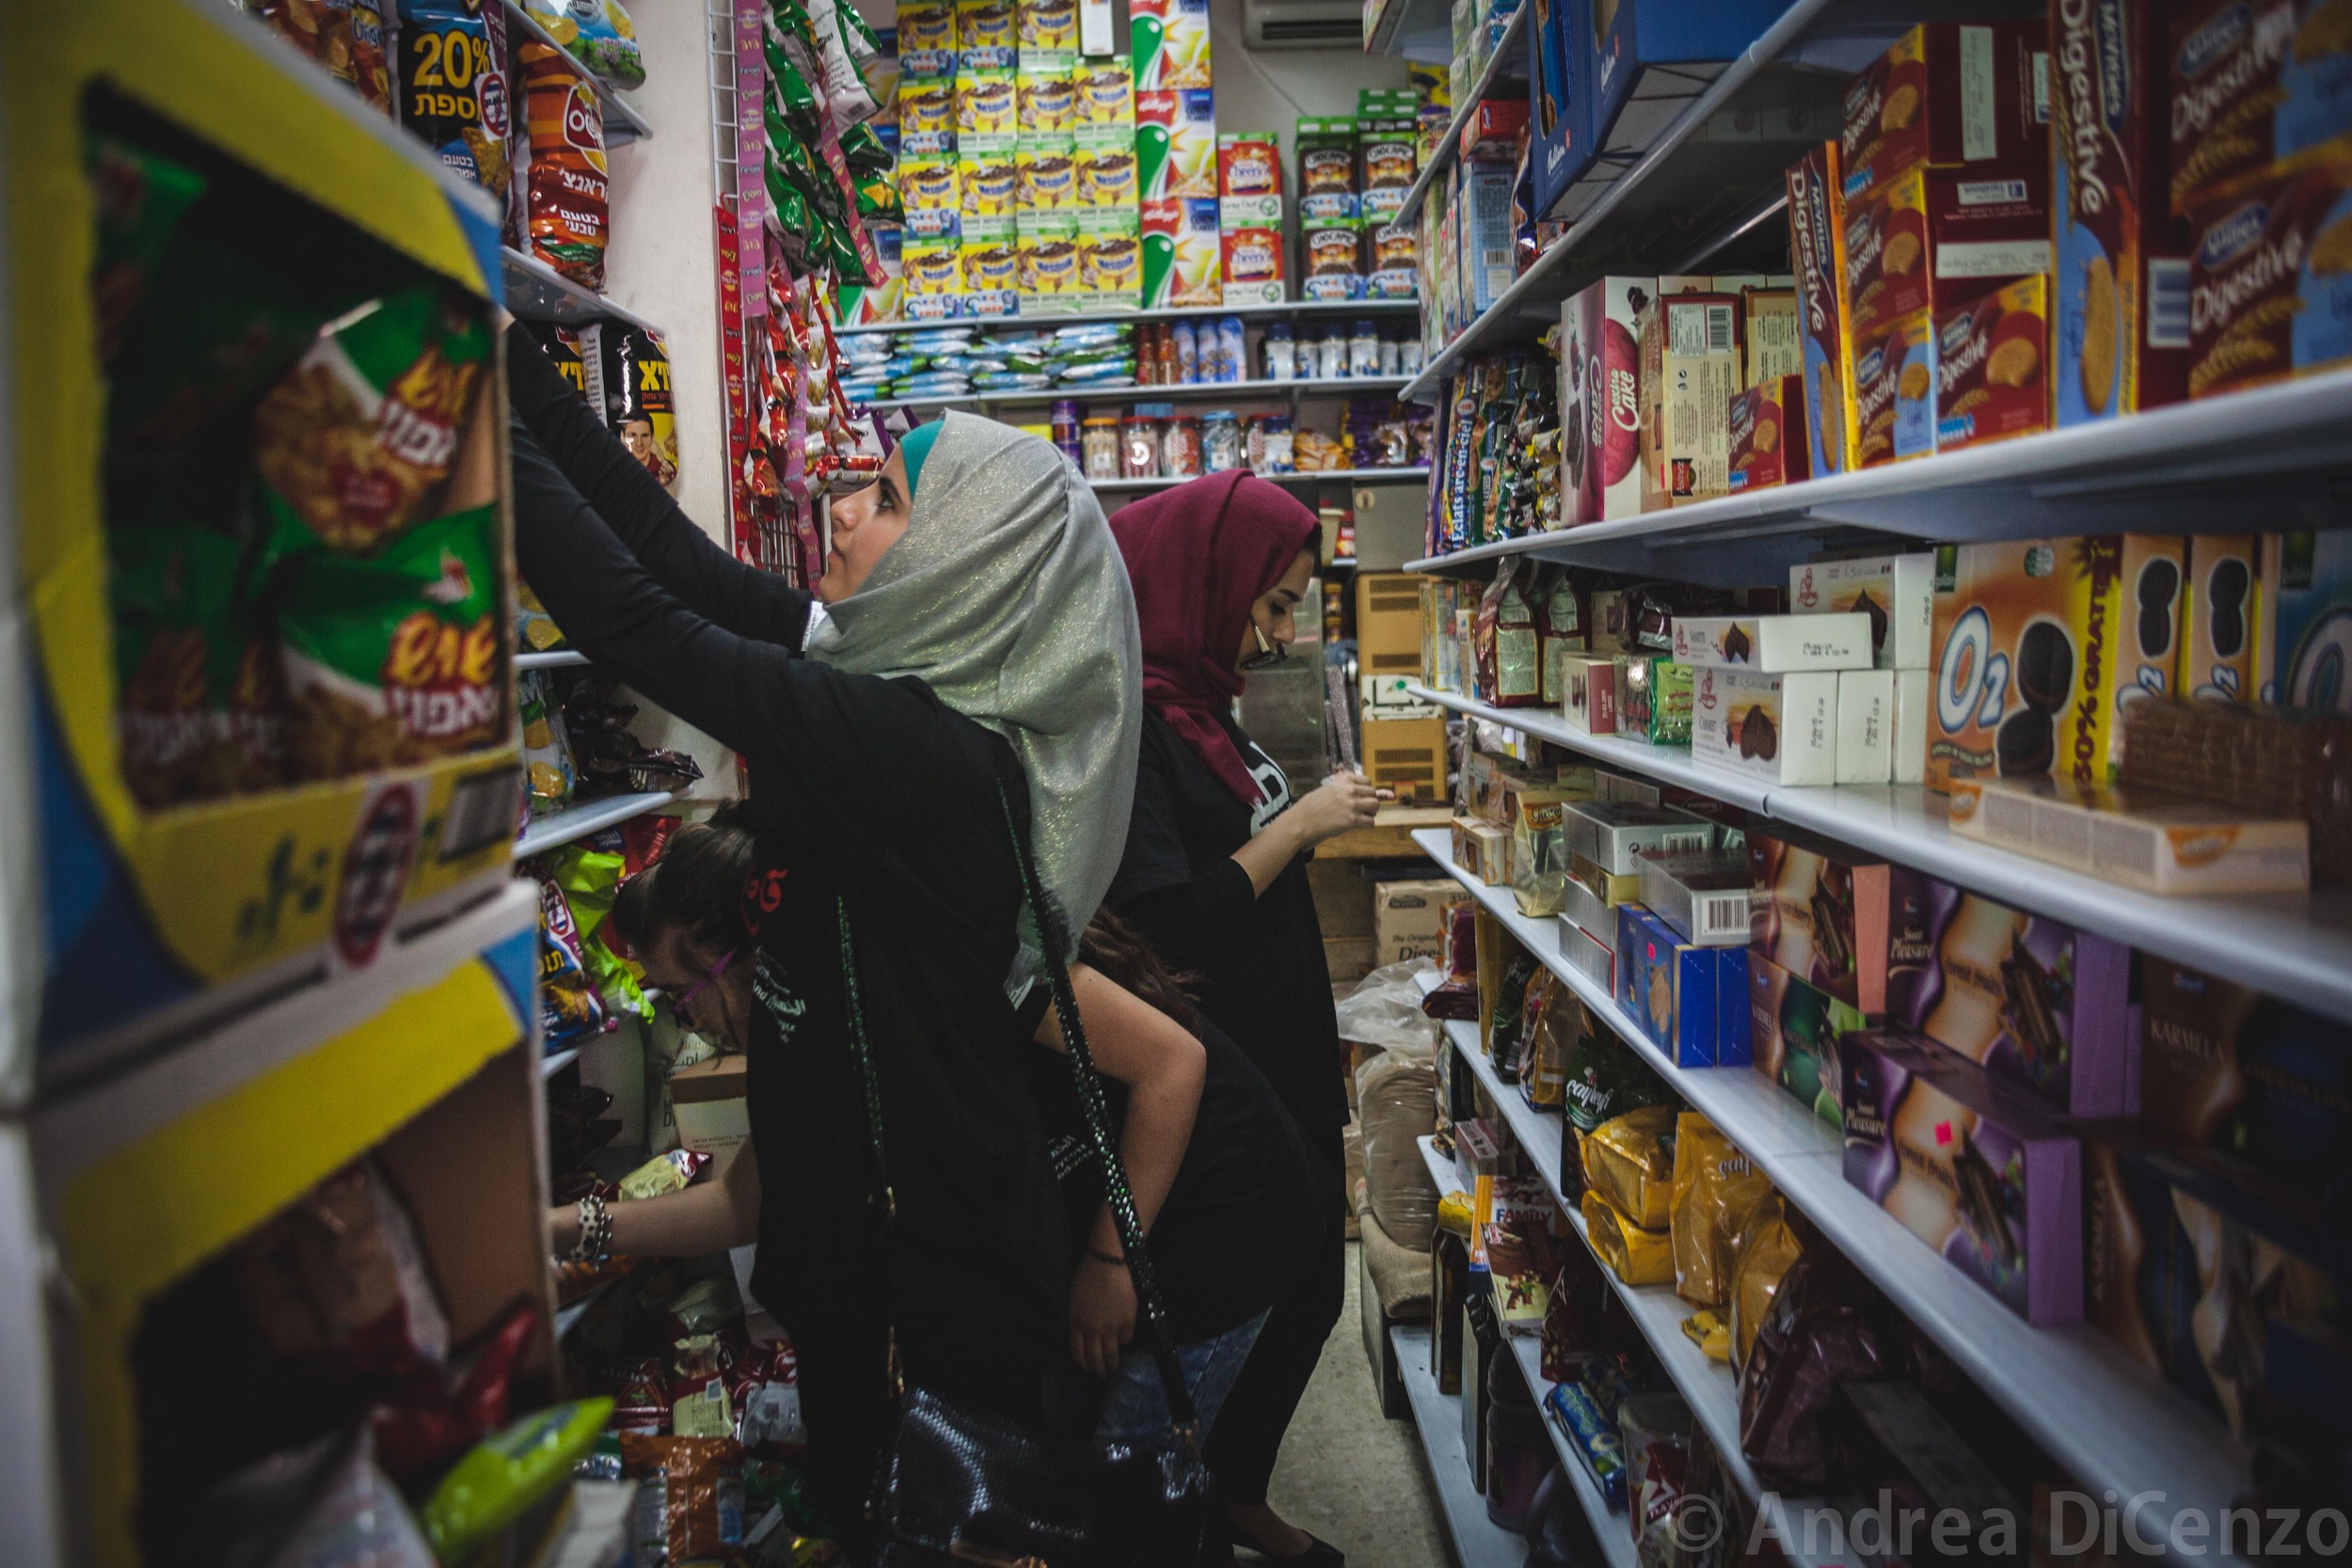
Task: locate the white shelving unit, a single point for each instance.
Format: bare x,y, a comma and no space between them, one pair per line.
2296,946
536,292
1190,391
1610,1525
561,659
563,827
1335,476
1511,51
2090,1405
1478,1540
621,123
556,1061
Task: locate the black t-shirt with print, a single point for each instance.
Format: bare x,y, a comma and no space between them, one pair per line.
1262,957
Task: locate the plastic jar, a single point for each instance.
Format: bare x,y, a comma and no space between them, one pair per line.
1138,447
1220,442
1098,438
1363,350
1331,354
1233,350
1187,355
1180,448
1270,445
1281,354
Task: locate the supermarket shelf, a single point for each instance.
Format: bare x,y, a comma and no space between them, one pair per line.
2095,1410
2164,470
556,1061
1336,476
621,123
1411,29
536,292
563,827
1478,1540
1291,310
1611,1526
1709,172
1511,50
1440,1169
1193,391
85,1126
563,659
2296,946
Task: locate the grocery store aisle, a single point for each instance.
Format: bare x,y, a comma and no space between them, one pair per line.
1351,1476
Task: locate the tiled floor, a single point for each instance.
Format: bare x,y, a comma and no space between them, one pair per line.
1350,1476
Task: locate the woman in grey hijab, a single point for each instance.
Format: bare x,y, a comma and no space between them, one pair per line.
972,673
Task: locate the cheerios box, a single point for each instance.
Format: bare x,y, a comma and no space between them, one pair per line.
1949,95
2027,648
1250,179
1252,266
2119,296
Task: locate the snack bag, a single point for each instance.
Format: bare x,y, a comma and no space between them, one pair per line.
344,36
847,51
596,33
1715,1188
569,1008
638,402
455,87
499,1480
354,443
591,880
535,630
196,714
690,1496
567,198
141,199
396,658
546,754
1629,1160
1768,1248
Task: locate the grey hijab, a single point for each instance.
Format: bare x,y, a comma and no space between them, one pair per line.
1007,596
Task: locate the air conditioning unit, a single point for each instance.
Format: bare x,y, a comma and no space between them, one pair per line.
1303,23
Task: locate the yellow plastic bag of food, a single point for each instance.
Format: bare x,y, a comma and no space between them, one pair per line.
1636,1256
1631,1160
1715,1188
1767,1249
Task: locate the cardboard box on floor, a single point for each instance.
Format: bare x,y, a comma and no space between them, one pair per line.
1409,918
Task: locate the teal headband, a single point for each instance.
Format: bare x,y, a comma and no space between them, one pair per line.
917,445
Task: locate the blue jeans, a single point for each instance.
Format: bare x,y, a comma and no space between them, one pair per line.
1135,1404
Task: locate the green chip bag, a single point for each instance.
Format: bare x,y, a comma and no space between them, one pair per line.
196,714
397,657
506,1473
141,197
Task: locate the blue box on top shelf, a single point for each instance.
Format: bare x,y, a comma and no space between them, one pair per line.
1559,127
1650,57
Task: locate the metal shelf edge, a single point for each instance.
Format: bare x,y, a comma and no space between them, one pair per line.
578,822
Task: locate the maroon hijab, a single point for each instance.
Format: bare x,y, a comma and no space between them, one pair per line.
1198,557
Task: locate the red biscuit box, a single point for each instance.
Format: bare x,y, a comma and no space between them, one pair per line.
1990,372
1934,234
1767,436
1600,401
2270,280
1950,94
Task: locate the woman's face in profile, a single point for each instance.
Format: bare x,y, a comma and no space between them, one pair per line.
1273,620
866,524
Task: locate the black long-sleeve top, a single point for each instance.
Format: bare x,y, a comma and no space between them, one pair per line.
873,793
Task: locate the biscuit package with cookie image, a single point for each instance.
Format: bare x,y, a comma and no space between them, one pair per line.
2150,647
1781,729
2119,301
2270,278
1954,95
2257,91
2217,619
1990,355
1794,1029
1893,375
1767,448
1817,225
2029,999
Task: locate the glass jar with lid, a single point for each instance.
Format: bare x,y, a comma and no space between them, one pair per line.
1098,438
1138,447
1220,442
1180,448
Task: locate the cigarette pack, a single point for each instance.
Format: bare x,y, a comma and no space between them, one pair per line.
1782,729
1615,835
1820,912
1776,644
1895,592
1703,898
2141,838
2029,998
1969,1166
1866,726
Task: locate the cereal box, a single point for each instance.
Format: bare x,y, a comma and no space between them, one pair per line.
1103,95
926,43
987,35
866,304
2257,89
1046,176
930,190
987,112
1171,41
1250,179
1047,103
1182,253
1781,729
1893,373
2270,280
1110,258
1176,144
2025,638
989,189
1106,174
1600,404
1989,373
992,277
1252,266
1816,243
1045,25
1392,252
2119,328
933,273
926,117
1327,169
2217,619
1331,253
1046,261
1764,420
1951,95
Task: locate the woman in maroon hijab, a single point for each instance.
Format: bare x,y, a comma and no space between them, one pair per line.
1215,876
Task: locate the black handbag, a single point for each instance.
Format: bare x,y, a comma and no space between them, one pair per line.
956,1484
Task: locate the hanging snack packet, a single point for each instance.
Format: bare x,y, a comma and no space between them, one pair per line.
596,33
344,36
354,444
196,714
849,51
396,658
455,86
638,402
567,198
569,1008
546,755
534,630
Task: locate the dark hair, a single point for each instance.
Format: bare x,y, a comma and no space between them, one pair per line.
1120,952
695,889
1314,545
